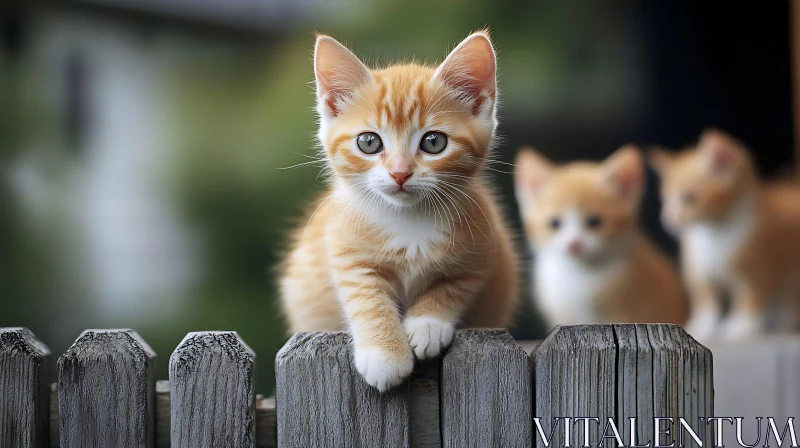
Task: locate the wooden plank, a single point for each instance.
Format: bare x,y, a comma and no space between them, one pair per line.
622,371
665,375
424,405
24,389
212,375
486,391
323,401
634,382
574,376
107,391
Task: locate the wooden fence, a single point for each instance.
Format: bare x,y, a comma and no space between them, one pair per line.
484,392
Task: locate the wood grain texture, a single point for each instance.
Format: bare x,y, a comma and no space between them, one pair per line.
486,391
212,375
322,400
622,371
24,389
635,382
107,391
424,405
573,370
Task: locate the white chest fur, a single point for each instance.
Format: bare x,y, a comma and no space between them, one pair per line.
416,233
710,247
567,289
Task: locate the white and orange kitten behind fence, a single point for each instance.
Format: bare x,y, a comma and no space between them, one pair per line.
408,242
739,238
592,262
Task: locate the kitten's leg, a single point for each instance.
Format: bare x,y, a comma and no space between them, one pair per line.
747,316
706,309
431,321
382,354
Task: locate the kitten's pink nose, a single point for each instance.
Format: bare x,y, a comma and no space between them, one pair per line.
400,177
575,247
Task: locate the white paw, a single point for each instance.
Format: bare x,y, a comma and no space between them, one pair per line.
383,369
741,326
703,325
428,335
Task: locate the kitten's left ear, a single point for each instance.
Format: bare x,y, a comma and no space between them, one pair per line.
720,151
624,172
338,72
471,69
532,174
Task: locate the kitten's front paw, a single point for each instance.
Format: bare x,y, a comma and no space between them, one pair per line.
382,368
741,326
428,335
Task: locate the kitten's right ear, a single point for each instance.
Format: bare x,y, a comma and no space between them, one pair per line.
660,159
720,151
471,70
338,72
532,173
624,173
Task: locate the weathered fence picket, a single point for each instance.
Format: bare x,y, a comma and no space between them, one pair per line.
486,391
323,401
106,383
574,377
212,376
24,389
621,372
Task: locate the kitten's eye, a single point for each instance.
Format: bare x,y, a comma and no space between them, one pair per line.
594,222
369,143
688,198
554,223
433,142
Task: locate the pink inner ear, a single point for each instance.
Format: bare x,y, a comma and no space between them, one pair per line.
628,180
470,69
722,158
338,72
628,184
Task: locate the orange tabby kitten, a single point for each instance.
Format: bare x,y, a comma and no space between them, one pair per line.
737,237
593,263
408,243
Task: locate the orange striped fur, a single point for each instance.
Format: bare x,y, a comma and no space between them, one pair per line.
402,265
739,237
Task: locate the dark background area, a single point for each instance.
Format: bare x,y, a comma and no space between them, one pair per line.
143,143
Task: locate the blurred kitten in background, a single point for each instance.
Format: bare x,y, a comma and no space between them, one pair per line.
739,238
592,262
